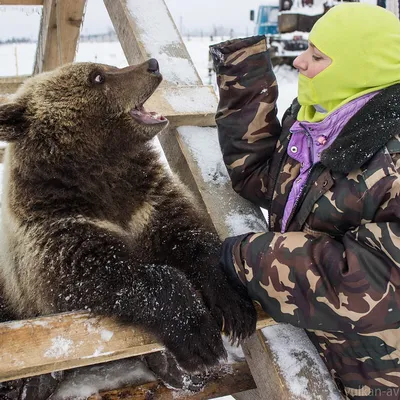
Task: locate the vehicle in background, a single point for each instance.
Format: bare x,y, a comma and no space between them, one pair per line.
286,24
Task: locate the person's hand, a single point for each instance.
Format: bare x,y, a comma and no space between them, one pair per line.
234,307
230,251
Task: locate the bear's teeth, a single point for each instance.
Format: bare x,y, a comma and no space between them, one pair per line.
157,116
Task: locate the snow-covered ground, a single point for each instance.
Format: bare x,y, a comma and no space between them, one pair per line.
288,343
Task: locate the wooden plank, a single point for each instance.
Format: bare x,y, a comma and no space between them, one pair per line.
2,150
140,38
198,101
21,2
52,343
59,33
234,378
264,368
71,340
317,381
46,50
138,29
249,395
212,180
185,105
10,84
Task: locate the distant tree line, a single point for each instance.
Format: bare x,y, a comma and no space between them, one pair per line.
111,36
17,40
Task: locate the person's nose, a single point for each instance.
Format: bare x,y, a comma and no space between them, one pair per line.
300,62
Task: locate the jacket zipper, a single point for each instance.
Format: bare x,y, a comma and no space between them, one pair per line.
284,155
306,186
299,200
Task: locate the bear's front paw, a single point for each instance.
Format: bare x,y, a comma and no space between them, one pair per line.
196,342
233,309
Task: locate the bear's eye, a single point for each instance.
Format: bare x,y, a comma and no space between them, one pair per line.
98,78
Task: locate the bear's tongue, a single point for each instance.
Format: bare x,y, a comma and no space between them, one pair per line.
145,117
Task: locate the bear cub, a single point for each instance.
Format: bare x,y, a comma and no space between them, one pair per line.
91,220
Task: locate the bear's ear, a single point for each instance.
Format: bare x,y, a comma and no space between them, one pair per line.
12,121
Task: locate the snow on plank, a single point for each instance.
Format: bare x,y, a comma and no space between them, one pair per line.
63,341
70,340
145,32
231,214
183,105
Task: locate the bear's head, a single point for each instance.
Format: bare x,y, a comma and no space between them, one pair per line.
83,108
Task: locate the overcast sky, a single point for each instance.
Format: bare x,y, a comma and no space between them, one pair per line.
189,14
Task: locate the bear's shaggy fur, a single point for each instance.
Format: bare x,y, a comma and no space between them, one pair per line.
92,221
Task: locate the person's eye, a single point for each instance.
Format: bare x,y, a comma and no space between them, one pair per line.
316,58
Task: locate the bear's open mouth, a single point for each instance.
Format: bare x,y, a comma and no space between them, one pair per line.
146,117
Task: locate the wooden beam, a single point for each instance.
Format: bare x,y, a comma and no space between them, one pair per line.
185,105
265,369
234,378
46,50
21,2
63,341
198,101
138,30
249,395
10,84
59,33
212,180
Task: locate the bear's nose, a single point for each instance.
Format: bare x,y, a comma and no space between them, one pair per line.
153,65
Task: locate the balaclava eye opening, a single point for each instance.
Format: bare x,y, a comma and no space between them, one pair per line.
363,42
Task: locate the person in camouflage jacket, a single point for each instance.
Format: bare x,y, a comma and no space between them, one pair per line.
330,262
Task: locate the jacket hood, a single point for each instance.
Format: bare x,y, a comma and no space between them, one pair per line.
363,42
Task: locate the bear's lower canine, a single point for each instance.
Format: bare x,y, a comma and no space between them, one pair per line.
92,221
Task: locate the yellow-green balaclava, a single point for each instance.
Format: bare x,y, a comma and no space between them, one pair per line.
363,42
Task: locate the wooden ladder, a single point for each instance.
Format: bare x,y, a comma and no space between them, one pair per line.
191,147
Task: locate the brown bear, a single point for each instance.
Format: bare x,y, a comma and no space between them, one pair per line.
91,220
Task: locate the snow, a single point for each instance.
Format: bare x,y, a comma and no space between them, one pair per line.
60,347
298,358
199,100
160,37
315,10
106,335
204,147
235,353
239,224
83,382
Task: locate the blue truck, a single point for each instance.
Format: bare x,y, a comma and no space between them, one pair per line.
279,22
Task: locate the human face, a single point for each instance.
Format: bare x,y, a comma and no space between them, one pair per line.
312,61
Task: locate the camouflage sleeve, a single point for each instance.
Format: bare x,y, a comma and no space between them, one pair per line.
327,284
246,118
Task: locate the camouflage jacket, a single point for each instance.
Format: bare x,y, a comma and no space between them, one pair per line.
336,271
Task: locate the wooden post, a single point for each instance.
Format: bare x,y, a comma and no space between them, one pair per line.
59,33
